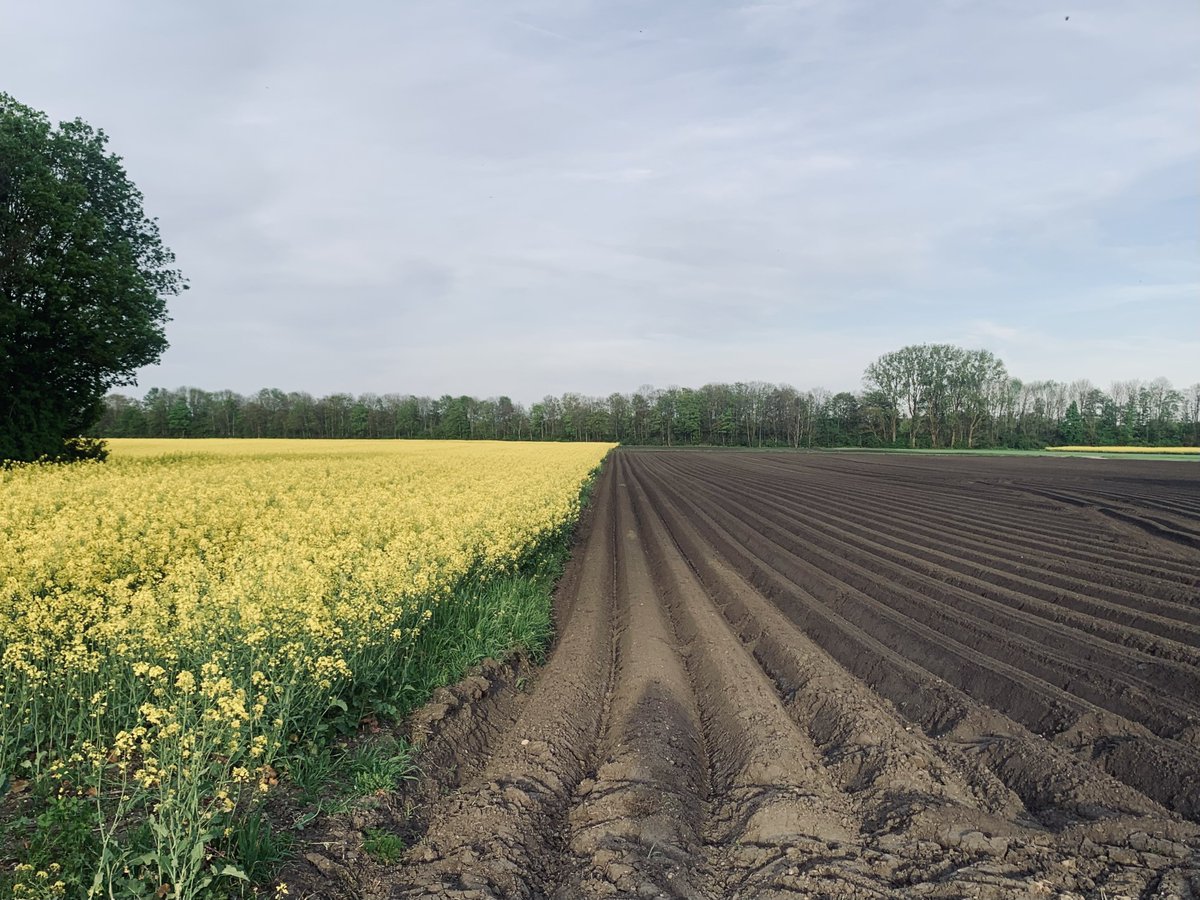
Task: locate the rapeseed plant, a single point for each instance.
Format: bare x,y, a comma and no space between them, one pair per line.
174,620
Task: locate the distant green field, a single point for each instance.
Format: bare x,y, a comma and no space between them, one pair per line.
1178,454
1130,451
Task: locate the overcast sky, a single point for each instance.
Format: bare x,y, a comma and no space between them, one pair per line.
529,197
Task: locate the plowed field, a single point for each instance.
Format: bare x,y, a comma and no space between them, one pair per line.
784,675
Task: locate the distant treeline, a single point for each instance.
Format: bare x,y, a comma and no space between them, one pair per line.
929,395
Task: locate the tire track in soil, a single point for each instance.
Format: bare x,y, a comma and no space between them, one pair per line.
709,726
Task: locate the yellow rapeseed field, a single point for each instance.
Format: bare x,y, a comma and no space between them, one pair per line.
171,618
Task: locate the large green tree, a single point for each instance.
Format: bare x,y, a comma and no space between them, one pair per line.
84,281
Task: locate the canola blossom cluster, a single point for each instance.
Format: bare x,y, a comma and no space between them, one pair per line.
171,618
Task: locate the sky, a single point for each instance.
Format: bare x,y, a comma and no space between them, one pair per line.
542,196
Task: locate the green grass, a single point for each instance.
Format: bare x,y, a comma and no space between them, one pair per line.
379,766
506,615
259,847
60,847
918,451
310,770
943,451
371,766
928,451
383,846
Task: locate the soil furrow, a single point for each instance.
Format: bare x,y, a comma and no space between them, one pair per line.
846,575
1024,601
1006,515
947,523
501,833
635,827
778,822
989,595
929,817
991,550
1044,708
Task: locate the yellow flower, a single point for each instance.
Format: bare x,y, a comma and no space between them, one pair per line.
206,600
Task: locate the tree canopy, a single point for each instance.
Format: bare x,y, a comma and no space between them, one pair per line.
971,403
84,281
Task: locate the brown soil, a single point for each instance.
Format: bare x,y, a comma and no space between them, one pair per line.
783,675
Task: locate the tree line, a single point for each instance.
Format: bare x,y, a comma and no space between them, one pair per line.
930,395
